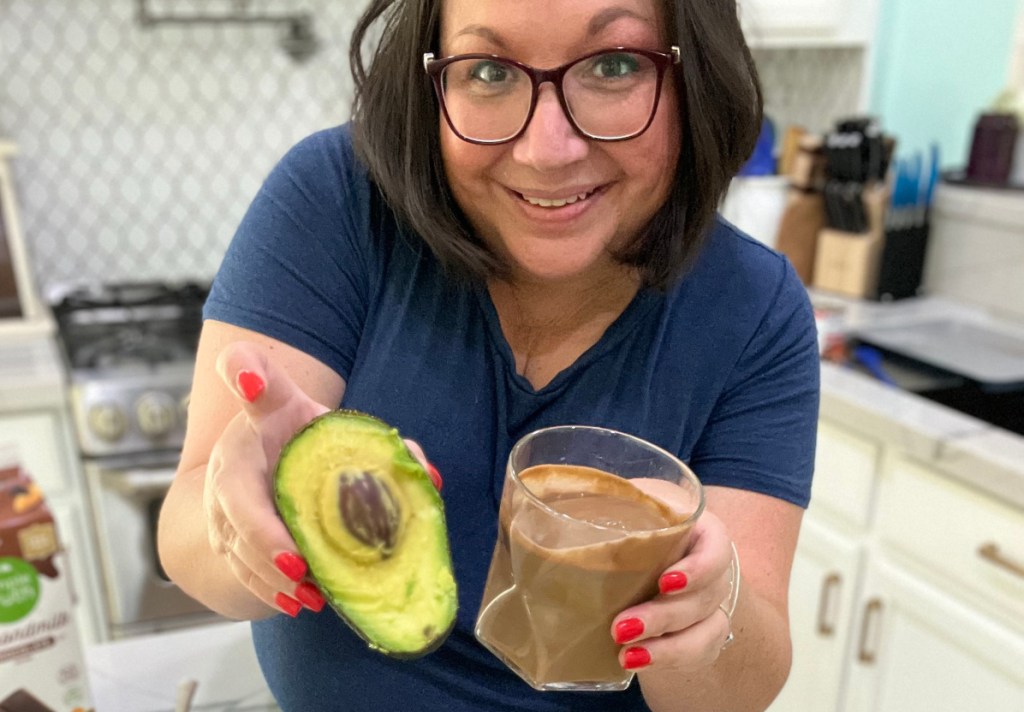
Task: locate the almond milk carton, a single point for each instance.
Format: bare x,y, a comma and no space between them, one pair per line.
42,668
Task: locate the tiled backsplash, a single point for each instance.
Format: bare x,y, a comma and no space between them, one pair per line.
140,148
976,249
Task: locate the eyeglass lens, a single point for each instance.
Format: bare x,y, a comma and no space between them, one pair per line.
609,96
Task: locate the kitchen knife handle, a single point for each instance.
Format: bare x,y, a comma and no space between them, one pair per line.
990,553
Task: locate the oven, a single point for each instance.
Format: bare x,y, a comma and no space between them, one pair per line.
130,351
126,499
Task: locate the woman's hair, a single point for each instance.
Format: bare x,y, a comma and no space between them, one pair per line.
396,132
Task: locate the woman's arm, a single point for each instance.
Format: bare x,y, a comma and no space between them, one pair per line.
219,533
689,671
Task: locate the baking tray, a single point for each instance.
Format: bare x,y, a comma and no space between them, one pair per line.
973,350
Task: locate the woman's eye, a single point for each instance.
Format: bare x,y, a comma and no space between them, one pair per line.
610,66
490,72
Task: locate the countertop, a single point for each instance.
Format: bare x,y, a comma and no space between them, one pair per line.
32,373
967,449
143,674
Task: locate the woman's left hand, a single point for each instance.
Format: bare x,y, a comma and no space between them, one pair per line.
685,627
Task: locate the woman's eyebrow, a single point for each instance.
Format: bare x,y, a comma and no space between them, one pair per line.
597,24
481,31
609,15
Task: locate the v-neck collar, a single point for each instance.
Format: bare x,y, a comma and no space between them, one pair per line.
643,301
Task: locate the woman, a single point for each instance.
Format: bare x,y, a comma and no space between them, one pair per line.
487,250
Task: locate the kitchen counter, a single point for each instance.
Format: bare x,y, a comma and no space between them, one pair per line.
143,674
32,373
963,447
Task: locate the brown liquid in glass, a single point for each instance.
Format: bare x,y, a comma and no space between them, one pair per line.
557,584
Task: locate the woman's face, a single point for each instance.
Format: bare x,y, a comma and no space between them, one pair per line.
499,187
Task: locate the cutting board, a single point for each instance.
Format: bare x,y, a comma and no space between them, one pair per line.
978,351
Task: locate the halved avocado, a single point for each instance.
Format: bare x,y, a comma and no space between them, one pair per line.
371,526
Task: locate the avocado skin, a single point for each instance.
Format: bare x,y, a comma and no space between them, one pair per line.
357,424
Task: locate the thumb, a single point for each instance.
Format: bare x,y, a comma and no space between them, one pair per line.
262,387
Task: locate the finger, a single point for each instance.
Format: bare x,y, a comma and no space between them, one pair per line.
665,615
262,387
417,452
286,576
305,593
251,525
240,506
279,582
260,588
692,589
692,649
706,563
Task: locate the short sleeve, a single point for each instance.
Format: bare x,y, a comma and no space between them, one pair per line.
761,435
299,268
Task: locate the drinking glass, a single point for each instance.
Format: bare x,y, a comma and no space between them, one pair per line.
577,544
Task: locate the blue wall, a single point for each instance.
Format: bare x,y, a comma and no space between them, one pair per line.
938,63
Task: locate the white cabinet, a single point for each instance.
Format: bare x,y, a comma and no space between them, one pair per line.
907,591
821,598
808,22
845,476
826,569
920,649
795,16
955,536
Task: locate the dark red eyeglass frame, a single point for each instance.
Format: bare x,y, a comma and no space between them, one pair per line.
662,60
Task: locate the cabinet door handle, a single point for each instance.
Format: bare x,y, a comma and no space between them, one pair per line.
826,617
990,553
871,612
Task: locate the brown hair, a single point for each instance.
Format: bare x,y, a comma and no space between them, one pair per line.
396,120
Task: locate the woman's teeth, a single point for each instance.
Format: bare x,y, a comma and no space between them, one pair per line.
561,203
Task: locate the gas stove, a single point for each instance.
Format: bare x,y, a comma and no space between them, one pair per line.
130,349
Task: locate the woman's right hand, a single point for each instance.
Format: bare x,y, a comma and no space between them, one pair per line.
242,522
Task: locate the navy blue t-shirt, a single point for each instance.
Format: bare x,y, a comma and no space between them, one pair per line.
722,371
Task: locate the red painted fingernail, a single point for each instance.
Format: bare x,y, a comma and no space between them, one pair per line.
288,604
636,658
628,629
435,476
291,565
672,581
310,596
250,384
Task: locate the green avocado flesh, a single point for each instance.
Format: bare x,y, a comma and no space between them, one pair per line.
371,526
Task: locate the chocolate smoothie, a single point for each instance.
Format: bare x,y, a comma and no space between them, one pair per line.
564,569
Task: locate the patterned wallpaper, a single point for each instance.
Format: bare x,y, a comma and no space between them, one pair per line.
140,148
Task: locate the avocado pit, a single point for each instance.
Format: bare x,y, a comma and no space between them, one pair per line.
369,510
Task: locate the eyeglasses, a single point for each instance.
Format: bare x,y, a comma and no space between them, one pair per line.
608,95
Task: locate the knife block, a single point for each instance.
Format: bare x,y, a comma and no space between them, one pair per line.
802,221
848,263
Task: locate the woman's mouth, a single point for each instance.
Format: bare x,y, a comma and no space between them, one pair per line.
560,207
557,202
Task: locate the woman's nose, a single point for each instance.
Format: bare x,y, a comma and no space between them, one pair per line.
550,141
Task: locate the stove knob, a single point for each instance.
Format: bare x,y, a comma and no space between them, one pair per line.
107,421
157,414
